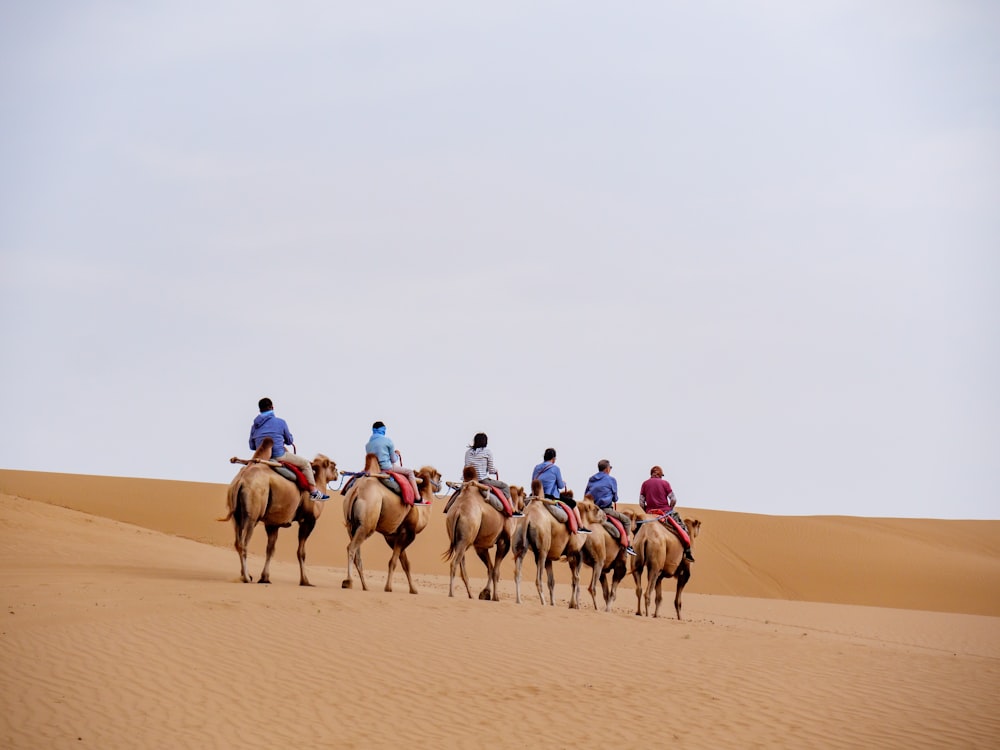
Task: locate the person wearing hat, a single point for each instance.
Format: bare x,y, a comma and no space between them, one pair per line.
389,459
604,489
657,496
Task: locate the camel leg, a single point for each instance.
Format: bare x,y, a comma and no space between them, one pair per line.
605,591
550,574
683,574
539,567
637,578
305,529
484,555
405,562
272,538
518,563
574,592
503,547
465,574
392,566
659,595
243,533
648,593
592,588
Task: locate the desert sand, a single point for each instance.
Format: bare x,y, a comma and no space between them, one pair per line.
125,626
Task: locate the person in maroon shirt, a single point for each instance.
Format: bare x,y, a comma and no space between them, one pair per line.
657,496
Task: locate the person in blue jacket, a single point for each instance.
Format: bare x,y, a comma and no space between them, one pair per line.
553,485
603,488
267,425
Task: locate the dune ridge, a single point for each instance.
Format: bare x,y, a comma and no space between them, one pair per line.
124,635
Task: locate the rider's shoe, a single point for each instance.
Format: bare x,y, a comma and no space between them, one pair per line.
630,551
517,514
688,556
318,496
584,530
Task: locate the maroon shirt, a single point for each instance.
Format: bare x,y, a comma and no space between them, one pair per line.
656,491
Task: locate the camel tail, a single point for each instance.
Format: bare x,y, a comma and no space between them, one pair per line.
233,500
453,533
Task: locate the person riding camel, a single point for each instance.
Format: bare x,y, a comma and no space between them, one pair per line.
604,489
480,458
657,497
389,459
267,425
553,486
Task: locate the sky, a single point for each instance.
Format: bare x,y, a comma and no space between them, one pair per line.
757,244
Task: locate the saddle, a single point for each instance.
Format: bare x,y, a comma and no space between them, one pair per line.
397,483
562,513
292,473
674,523
617,526
508,508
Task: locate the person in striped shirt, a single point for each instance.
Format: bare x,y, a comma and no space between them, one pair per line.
481,457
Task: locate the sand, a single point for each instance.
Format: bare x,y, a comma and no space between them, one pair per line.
125,626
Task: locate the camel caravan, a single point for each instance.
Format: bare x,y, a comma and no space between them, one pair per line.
494,519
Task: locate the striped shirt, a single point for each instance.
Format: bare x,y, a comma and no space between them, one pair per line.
482,459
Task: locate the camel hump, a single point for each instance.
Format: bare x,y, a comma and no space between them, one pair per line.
536,488
263,451
469,474
371,463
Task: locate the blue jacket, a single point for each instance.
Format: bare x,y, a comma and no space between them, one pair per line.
603,488
266,425
382,447
551,477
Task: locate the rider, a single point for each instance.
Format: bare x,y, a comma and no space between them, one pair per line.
553,485
656,496
267,425
389,459
604,489
481,458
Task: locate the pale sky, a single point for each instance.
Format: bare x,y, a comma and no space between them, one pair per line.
755,243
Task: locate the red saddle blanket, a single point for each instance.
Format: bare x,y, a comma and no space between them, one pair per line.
621,530
405,488
570,516
507,507
300,478
668,520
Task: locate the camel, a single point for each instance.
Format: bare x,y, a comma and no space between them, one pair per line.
661,555
473,522
259,494
370,506
605,554
549,540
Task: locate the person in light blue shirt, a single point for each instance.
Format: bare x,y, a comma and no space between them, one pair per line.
389,459
267,425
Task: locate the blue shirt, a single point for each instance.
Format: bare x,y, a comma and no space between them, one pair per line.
603,488
382,447
266,425
551,477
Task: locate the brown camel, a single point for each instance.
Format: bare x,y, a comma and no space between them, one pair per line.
661,555
549,540
259,494
370,506
473,522
605,554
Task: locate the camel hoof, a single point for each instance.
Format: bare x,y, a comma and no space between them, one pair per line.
264,580
484,596
304,583
347,583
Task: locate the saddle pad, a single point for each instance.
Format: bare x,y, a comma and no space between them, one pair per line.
405,488
570,515
668,520
508,508
618,525
296,475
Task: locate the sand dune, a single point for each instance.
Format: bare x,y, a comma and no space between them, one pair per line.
125,627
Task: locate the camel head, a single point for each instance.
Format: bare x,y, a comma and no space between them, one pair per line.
323,466
517,497
694,526
431,477
589,511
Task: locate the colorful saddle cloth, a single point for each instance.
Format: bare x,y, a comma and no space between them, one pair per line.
673,522
507,507
292,473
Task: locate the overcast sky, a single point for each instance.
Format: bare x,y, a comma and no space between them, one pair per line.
755,243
